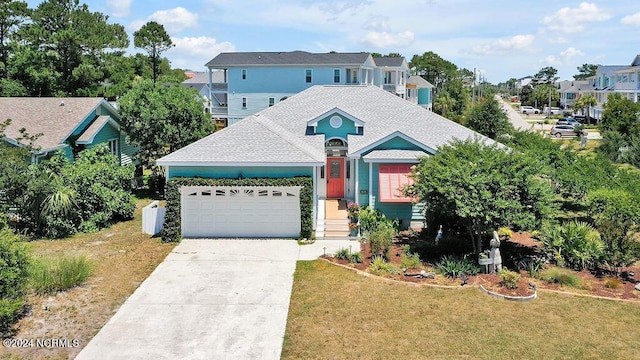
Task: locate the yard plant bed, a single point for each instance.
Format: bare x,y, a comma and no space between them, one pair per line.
123,257
589,284
337,314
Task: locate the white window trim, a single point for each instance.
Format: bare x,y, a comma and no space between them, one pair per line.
243,74
113,149
244,102
310,79
339,76
272,101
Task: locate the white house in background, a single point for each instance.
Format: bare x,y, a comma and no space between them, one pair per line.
571,91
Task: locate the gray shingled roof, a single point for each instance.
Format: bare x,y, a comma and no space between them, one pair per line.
250,141
277,134
88,135
391,61
419,81
46,116
229,59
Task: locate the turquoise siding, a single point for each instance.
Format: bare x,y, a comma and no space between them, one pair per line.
105,134
398,144
324,127
424,96
234,172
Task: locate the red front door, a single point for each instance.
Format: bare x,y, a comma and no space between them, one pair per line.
335,178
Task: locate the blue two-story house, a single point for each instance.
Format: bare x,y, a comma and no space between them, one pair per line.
254,81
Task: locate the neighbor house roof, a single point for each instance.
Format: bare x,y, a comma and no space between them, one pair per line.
419,81
390,61
278,134
202,78
228,59
54,118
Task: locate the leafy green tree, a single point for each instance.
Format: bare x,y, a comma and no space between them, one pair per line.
162,119
483,187
617,216
585,71
488,118
433,68
543,92
66,42
12,15
154,40
546,75
621,115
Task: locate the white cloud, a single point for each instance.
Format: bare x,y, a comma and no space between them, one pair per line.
384,39
565,57
193,52
175,20
633,20
119,8
572,20
503,46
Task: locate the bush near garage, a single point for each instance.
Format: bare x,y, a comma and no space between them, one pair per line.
13,278
171,231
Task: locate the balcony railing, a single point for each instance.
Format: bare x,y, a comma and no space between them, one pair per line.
394,88
219,111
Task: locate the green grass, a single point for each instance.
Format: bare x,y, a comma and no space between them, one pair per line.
337,314
49,275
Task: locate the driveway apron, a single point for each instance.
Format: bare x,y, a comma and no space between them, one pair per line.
209,299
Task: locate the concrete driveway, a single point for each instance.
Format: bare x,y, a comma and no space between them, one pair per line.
210,299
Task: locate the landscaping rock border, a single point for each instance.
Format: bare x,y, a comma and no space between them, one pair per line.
512,298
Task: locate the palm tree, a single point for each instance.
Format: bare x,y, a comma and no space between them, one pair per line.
444,102
586,102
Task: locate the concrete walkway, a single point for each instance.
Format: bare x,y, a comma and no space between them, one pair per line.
210,299
514,117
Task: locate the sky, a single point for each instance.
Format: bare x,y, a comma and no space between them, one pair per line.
500,39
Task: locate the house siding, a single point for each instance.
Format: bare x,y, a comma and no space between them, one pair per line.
105,134
234,172
347,127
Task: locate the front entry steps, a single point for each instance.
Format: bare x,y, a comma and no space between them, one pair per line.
333,220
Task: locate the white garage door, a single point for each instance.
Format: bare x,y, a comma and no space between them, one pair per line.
240,211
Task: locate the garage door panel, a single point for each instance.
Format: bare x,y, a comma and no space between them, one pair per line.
240,211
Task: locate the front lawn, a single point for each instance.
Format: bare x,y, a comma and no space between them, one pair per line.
122,256
338,314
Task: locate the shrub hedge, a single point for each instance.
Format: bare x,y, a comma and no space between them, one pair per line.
171,231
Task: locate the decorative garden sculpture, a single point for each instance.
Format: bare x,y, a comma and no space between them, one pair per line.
494,254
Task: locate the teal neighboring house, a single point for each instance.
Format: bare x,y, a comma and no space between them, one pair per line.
65,124
355,142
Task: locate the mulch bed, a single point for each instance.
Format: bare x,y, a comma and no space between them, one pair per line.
592,285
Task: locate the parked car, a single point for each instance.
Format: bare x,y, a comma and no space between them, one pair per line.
568,121
586,119
562,131
529,110
554,110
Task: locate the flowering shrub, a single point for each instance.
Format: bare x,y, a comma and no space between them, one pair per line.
353,208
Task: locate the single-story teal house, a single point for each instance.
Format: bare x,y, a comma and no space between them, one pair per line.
356,143
65,124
